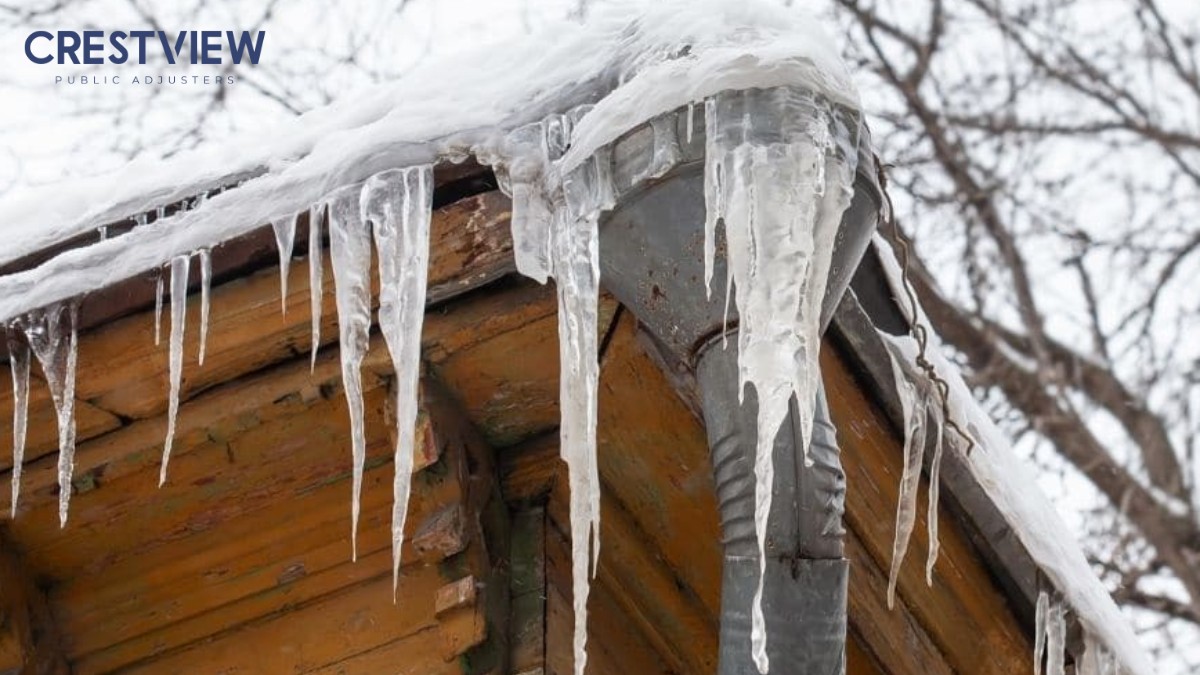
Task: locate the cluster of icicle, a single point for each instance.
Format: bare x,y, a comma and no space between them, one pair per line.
921,404
555,228
391,208
778,176
922,409
1050,644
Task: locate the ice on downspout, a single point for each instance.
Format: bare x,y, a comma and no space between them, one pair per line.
18,354
179,286
779,169
285,240
397,204
350,253
315,277
53,338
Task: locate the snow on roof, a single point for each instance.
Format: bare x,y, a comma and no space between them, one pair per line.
635,62
1010,484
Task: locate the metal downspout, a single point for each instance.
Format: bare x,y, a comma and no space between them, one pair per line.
652,261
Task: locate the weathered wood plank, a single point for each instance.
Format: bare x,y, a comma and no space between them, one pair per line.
891,636
41,424
963,612
233,471
410,655
615,647
508,382
528,471
314,635
668,616
653,456
29,635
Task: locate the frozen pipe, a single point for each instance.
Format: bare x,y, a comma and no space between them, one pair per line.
652,261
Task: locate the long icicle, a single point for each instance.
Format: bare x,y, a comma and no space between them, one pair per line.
316,272
285,241
397,204
53,338
577,273
350,252
19,357
1039,633
205,301
913,405
1056,638
179,285
935,487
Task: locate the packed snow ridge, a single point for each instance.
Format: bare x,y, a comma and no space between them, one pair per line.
781,122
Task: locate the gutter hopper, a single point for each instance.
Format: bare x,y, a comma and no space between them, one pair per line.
653,262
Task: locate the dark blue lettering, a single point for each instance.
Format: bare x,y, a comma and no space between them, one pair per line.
29,46
141,36
212,45
93,45
68,44
243,44
117,40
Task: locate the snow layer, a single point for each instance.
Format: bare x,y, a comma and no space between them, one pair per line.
1012,487
634,61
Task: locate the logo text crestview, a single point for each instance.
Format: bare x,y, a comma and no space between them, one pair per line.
97,47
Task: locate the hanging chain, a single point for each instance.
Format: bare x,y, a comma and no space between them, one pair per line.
918,330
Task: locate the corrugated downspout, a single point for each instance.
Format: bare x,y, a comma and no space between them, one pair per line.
804,599
652,261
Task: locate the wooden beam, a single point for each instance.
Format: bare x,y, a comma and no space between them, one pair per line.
669,617
30,642
527,590
615,645
528,472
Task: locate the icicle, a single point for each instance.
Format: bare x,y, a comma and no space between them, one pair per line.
665,153
51,334
179,285
205,302
398,206
935,479
350,252
1094,657
913,403
315,274
1056,639
525,163
577,275
1039,633
18,355
586,192
714,198
691,120
779,175
102,232
555,233
158,309
285,240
